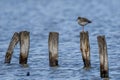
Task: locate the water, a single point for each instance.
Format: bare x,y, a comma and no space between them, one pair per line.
40,17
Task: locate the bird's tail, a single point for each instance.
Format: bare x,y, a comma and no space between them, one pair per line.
89,21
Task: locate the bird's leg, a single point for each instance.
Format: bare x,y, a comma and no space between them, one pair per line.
83,28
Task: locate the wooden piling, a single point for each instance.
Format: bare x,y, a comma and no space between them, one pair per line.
24,47
85,49
12,44
104,73
53,48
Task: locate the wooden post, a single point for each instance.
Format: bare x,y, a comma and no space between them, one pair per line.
12,44
24,47
103,57
85,49
53,48
105,78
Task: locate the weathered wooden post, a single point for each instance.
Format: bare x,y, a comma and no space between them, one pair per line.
85,49
53,48
104,73
24,47
12,44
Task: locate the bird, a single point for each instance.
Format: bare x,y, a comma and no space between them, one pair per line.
83,21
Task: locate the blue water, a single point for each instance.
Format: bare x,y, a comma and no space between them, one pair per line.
40,17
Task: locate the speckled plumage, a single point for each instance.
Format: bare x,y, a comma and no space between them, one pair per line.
83,21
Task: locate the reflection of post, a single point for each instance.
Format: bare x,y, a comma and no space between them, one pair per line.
24,46
103,57
85,49
12,44
53,48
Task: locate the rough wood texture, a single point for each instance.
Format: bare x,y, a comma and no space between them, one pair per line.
103,57
24,46
53,48
12,44
85,49
105,79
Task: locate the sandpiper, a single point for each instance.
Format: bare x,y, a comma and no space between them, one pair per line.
83,21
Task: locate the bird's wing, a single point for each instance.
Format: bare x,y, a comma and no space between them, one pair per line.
85,19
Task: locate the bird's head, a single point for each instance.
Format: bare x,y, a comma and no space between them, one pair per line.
78,18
